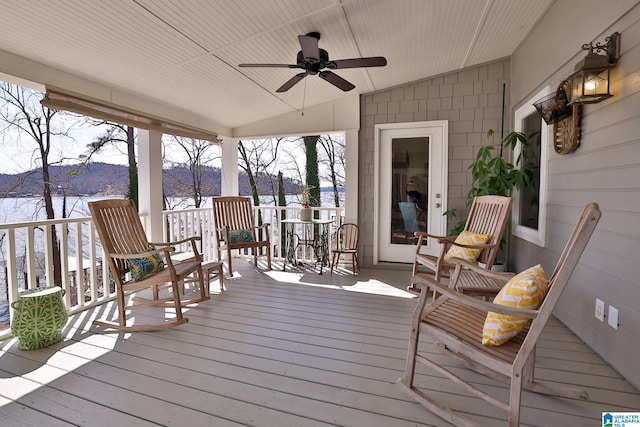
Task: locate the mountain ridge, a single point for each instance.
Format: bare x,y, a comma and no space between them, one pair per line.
106,179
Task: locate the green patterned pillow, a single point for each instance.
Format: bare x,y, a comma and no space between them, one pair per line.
142,267
241,236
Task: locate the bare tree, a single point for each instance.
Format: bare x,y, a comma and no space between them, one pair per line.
258,158
198,154
334,149
22,116
117,134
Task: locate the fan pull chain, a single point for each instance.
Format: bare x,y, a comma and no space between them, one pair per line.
304,95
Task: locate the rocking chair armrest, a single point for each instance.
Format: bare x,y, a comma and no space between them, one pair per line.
166,250
177,242
478,246
466,265
442,240
470,301
224,230
194,252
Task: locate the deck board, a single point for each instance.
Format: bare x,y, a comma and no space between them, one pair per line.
281,349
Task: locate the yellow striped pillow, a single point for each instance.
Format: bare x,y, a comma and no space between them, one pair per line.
467,254
524,290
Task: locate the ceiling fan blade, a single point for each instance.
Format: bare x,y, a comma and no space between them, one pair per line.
309,45
373,61
269,65
336,80
291,82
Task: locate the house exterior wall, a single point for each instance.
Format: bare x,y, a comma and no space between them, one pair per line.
604,169
470,99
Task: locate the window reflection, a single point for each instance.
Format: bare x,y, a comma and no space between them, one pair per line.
409,188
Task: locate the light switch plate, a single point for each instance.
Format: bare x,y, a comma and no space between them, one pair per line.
599,310
613,317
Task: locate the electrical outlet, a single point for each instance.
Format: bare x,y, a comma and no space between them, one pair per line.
613,317
600,310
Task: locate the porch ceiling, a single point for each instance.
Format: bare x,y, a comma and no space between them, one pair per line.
185,54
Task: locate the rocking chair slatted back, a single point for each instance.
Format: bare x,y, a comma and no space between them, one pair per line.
233,213
489,215
122,230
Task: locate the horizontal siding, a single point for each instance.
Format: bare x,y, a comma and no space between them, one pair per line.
604,169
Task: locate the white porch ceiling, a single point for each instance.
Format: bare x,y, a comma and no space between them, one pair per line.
185,53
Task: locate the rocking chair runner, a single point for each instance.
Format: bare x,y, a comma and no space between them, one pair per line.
488,216
123,240
236,229
455,322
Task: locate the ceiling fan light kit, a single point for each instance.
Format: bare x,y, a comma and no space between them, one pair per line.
315,61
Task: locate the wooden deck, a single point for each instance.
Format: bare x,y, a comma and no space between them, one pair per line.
278,349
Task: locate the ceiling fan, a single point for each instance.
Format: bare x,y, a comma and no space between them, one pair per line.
314,60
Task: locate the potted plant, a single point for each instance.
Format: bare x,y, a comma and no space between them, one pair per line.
306,214
492,174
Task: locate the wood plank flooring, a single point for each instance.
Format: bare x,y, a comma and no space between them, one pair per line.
278,349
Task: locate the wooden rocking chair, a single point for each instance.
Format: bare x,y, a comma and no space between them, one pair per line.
236,229
455,322
124,242
488,216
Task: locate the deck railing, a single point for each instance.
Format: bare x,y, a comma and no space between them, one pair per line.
28,258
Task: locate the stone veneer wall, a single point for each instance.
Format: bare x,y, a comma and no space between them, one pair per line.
470,99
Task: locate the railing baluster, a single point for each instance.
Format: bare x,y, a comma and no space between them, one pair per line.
64,265
93,260
30,271
80,280
48,254
12,270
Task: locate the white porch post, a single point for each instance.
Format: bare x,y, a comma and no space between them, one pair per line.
351,176
150,181
229,181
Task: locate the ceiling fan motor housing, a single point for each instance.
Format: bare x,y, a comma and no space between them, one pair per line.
310,64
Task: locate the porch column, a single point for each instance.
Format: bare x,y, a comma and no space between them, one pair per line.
150,182
229,180
351,176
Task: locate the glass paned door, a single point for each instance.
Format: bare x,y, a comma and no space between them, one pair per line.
411,183
409,188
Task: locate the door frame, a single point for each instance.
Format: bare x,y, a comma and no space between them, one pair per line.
430,128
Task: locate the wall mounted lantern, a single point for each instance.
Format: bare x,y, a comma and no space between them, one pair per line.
590,81
587,85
